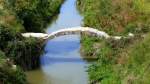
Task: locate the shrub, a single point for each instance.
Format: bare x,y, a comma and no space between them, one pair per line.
10,76
25,53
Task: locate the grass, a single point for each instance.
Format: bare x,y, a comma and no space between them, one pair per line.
116,17
125,61
121,65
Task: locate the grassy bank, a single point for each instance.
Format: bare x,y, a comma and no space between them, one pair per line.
116,17
17,16
119,62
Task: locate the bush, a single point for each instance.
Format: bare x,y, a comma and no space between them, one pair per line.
36,14
20,49
6,35
10,76
25,53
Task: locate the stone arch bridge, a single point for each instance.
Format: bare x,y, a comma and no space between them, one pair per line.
74,30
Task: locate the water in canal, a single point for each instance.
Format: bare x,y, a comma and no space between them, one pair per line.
61,62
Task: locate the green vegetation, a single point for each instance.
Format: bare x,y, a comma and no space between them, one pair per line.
116,17
33,15
124,61
36,14
9,74
17,16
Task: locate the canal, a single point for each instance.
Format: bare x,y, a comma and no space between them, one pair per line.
62,62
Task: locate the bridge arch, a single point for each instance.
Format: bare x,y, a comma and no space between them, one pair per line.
74,30
77,30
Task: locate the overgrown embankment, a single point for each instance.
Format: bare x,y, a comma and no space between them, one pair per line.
116,17
123,61
17,16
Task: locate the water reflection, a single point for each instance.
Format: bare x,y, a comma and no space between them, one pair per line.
65,50
62,61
